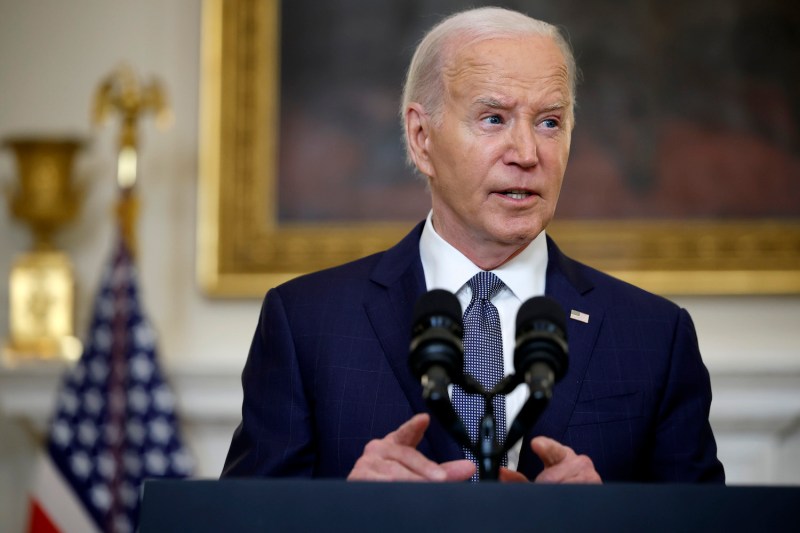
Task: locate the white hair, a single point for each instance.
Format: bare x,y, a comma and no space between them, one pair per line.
424,83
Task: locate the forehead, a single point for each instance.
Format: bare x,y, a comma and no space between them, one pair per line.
525,64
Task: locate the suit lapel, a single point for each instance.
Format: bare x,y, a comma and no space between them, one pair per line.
399,281
569,287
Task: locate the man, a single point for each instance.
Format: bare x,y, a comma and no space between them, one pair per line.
488,111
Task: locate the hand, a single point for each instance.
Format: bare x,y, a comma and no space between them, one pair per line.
511,476
395,458
562,464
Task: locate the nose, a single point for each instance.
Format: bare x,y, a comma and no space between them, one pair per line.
522,150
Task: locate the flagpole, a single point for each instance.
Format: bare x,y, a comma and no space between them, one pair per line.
122,92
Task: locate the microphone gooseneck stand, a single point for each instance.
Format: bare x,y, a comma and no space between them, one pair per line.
488,449
437,359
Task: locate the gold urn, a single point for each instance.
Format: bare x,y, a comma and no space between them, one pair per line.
42,283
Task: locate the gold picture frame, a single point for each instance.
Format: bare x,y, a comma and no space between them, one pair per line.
243,250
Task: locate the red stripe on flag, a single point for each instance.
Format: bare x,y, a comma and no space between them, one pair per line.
39,520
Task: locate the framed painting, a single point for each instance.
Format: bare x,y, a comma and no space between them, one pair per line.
684,176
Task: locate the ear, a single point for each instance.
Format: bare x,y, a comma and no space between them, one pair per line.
418,130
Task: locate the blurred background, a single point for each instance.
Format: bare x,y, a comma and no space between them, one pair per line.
53,54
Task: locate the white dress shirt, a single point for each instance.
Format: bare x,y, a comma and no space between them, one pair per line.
523,276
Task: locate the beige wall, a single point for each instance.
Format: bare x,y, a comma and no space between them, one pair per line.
52,54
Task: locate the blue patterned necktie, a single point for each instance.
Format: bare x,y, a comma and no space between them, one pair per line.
483,358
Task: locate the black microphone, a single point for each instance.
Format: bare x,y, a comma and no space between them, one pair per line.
437,356
437,352
540,353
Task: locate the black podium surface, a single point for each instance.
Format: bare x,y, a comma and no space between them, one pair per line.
302,505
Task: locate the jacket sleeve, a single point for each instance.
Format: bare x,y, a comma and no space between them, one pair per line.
275,436
684,448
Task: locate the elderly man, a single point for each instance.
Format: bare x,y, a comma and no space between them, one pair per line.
488,111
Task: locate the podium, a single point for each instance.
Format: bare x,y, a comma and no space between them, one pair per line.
250,505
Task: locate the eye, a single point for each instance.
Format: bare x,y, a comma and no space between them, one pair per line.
550,123
493,119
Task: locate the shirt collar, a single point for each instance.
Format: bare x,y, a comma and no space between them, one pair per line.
447,268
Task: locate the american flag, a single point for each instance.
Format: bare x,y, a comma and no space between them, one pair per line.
115,423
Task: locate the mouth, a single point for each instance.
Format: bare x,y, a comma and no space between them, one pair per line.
516,194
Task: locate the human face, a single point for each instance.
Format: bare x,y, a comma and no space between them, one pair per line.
497,155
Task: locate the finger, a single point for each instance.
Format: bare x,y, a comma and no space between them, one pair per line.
393,471
459,470
385,460
551,452
373,469
576,469
385,454
411,432
412,460
587,478
560,473
583,471
511,476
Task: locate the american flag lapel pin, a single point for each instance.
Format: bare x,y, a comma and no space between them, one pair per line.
580,317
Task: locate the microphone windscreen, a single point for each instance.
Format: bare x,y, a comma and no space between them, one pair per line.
436,334
541,308
438,302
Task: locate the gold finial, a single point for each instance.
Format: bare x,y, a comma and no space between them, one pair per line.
121,91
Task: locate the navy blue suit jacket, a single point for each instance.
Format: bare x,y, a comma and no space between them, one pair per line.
328,371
